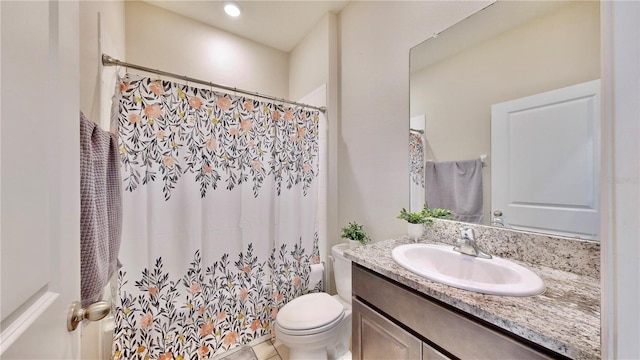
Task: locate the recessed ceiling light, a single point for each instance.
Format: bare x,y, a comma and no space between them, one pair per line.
232,9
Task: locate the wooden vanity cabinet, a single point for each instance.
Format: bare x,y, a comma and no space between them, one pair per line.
391,321
376,337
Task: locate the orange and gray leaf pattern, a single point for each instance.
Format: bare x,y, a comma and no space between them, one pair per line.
207,310
170,134
167,130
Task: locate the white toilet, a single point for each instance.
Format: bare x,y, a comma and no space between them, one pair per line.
318,325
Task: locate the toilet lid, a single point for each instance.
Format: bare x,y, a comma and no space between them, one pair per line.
309,312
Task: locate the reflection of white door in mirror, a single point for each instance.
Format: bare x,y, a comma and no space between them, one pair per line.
546,164
417,142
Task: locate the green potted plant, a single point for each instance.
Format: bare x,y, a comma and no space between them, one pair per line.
416,220
355,233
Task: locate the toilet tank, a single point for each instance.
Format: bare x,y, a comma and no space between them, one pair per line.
342,272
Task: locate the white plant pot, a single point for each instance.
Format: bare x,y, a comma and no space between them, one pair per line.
415,231
354,244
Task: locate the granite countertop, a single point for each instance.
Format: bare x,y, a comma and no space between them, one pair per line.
565,318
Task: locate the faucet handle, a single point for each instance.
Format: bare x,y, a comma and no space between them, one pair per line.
467,244
467,233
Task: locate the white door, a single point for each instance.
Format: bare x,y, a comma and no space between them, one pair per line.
40,181
546,164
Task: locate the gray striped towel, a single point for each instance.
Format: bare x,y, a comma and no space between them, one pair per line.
456,186
100,209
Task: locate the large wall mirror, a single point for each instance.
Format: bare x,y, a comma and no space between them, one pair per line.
516,86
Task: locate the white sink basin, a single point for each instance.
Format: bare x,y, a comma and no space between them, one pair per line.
488,276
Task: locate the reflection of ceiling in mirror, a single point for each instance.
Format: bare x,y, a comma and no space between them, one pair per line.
492,20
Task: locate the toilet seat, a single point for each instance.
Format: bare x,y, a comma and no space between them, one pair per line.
310,314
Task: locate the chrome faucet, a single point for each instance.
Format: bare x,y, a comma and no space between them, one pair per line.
467,244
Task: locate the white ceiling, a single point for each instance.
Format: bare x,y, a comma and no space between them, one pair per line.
278,24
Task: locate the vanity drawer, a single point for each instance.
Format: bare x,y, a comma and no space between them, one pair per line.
459,335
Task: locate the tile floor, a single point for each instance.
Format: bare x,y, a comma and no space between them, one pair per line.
269,350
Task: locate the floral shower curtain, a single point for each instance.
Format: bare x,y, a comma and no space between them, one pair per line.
220,217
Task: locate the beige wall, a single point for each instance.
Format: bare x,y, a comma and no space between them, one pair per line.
558,49
107,36
374,95
102,29
160,39
313,62
309,61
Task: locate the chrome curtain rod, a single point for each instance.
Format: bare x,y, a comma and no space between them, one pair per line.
109,61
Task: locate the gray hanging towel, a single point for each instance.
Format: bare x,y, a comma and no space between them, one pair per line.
457,186
100,209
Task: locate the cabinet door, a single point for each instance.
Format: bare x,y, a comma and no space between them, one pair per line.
375,337
429,353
